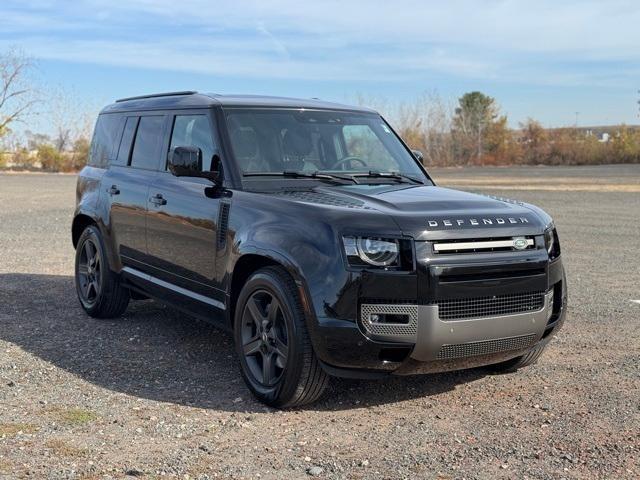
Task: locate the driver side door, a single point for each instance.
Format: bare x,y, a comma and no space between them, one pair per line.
182,215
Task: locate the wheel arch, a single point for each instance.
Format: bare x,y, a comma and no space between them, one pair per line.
80,222
84,219
252,261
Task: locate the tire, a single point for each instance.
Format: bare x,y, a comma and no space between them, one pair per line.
99,289
271,336
525,360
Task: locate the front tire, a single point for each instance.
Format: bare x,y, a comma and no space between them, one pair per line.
99,290
277,360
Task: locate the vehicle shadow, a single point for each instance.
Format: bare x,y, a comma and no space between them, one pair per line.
158,353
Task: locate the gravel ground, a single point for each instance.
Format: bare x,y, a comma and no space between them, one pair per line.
157,394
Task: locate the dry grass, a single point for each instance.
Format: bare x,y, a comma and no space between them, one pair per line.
11,429
6,468
60,447
548,188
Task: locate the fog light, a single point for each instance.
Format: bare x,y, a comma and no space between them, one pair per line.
550,306
394,318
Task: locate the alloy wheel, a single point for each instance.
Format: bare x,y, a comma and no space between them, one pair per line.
89,271
264,336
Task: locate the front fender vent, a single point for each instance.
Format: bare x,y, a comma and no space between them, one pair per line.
223,224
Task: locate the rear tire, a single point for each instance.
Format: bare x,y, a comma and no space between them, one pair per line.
277,360
99,290
514,364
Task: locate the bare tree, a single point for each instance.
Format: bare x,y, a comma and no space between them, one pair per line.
70,117
424,123
16,95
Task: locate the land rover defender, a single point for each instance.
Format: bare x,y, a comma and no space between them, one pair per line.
313,234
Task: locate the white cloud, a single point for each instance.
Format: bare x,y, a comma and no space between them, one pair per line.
542,42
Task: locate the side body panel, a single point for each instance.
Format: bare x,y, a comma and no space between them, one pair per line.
181,227
182,234
125,191
88,192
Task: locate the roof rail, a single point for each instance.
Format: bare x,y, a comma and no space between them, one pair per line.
153,95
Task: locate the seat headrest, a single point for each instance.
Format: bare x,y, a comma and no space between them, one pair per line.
297,142
245,142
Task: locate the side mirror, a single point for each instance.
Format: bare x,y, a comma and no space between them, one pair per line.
418,154
185,161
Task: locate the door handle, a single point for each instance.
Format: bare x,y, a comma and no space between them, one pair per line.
158,199
113,190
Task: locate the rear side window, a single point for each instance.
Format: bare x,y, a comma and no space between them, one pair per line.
104,140
147,143
194,131
127,139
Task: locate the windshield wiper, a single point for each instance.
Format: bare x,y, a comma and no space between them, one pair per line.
393,175
339,179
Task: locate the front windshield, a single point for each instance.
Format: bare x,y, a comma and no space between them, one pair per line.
312,141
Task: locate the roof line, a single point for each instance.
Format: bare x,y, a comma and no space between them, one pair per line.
154,95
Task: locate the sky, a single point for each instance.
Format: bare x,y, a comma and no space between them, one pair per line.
555,61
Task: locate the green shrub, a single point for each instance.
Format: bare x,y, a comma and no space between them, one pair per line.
50,159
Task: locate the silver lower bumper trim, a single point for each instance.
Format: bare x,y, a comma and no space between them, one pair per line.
436,339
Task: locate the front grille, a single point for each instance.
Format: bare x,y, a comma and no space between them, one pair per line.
486,347
490,306
482,245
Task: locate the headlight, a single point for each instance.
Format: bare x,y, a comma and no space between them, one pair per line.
375,251
551,242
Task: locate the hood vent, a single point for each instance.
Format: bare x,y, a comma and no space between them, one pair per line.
323,199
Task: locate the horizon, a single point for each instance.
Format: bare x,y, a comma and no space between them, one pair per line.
562,65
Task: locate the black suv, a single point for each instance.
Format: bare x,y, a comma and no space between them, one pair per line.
310,231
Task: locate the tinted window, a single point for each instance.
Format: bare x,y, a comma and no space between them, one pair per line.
194,131
127,139
279,140
147,142
104,139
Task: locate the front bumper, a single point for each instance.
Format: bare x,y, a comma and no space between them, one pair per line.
438,339
428,343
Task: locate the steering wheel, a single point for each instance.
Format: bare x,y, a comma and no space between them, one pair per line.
344,160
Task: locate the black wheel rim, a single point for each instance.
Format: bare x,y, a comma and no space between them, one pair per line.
89,271
264,337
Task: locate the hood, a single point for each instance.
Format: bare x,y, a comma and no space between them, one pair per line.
429,212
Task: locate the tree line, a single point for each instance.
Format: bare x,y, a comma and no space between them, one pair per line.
473,131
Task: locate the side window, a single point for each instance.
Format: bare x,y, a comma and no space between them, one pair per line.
194,131
127,139
147,143
105,135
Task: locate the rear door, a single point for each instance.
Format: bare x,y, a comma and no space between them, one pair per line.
127,186
183,213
